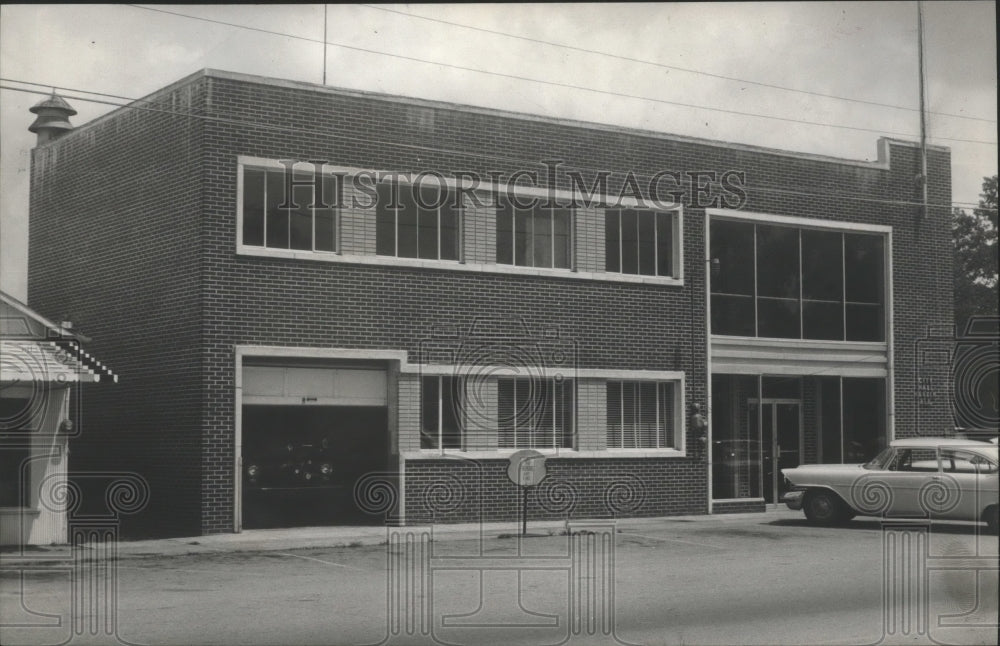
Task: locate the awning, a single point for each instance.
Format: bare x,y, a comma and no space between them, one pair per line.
23,360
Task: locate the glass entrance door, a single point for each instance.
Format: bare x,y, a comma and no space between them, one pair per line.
781,426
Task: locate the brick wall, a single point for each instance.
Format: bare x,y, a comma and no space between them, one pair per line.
461,491
115,246
134,229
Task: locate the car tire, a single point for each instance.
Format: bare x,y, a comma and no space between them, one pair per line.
824,508
992,518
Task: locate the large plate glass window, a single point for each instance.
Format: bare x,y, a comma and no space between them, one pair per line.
737,451
796,283
733,278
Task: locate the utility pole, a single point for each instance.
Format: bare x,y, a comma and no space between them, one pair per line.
923,110
324,51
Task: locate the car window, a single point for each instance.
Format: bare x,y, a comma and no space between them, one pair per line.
955,461
919,460
883,460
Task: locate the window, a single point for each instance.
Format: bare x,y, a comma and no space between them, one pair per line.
534,237
285,209
792,283
640,415
864,417
777,282
441,413
956,461
822,285
864,287
921,460
535,413
639,242
15,451
733,278
416,222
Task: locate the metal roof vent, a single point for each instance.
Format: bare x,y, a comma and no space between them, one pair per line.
53,118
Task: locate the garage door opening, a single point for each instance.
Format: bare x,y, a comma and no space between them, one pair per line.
300,463
308,434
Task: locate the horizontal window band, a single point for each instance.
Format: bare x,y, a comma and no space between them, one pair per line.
463,185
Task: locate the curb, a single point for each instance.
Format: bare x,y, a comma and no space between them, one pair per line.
270,540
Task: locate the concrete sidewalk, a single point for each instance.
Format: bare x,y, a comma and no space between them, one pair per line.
265,540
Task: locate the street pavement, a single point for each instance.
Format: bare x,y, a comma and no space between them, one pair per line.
736,579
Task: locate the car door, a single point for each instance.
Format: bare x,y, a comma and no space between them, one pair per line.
912,471
970,481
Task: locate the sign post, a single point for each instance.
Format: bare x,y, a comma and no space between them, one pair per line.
526,469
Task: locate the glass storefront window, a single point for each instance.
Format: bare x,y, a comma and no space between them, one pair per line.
736,454
763,424
796,283
864,418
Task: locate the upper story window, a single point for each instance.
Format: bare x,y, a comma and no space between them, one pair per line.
641,415
639,241
294,210
536,236
416,222
796,283
535,413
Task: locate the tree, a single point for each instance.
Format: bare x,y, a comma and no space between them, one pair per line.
975,238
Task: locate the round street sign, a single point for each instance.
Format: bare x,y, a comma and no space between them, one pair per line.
527,468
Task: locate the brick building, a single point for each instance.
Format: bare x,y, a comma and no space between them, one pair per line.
327,303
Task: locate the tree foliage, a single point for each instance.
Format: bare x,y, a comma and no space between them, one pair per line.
975,238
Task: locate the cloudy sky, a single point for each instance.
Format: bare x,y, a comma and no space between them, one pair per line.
864,53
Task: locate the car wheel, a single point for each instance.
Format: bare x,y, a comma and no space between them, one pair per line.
992,519
824,508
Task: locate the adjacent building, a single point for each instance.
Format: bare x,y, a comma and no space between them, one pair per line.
42,366
330,305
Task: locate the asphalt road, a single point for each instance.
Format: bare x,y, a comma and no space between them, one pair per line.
740,581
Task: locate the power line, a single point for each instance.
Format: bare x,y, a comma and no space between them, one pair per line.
420,147
558,84
672,67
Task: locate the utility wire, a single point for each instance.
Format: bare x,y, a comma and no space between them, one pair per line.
672,67
556,83
420,147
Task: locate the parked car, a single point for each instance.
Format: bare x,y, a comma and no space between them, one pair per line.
937,478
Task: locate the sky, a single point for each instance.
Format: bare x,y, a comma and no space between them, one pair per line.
866,52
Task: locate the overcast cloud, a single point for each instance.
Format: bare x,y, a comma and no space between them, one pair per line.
862,50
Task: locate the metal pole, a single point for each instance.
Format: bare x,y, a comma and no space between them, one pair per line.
923,113
324,45
524,511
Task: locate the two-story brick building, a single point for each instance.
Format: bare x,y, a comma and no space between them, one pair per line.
301,286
